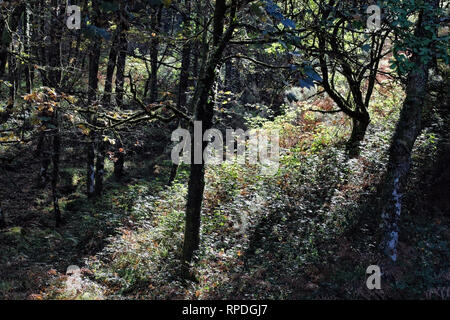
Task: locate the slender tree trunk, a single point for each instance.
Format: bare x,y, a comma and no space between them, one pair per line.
94,60
173,174
184,76
119,156
27,49
196,49
2,218
3,47
43,154
13,25
54,55
121,59
204,112
117,44
55,173
12,61
184,79
110,68
117,57
154,48
42,45
13,75
407,130
100,166
120,73
229,75
123,44
106,101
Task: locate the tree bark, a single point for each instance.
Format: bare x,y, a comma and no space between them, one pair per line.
204,112
100,166
119,161
94,61
184,78
121,59
27,49
12,61
407,130
2,218
154,48
55,172
54,56
110,68
43,154
3,48
359,130
90,176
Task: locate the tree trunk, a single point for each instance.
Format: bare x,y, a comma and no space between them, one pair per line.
407,130
2,218
100,166
173,174
204,112
90,176
13,73
121,60
123,44
55,173
3,48
13,79
45,161
118,48
184,79
55,46
193,210
119,156
27,49
359,130
154,48
94,61
90,148
110,69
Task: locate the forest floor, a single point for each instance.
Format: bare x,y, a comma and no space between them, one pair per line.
308,233
32,250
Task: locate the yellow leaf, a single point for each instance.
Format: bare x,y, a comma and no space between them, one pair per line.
30,97
71,99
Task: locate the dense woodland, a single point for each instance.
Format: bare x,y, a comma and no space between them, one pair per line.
89,104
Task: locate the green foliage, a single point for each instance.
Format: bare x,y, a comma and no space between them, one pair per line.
427,44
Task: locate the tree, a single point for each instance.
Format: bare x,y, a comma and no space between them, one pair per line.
408,128
2,218
11,23
203,111
203,99
338,41
184,72
94,58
